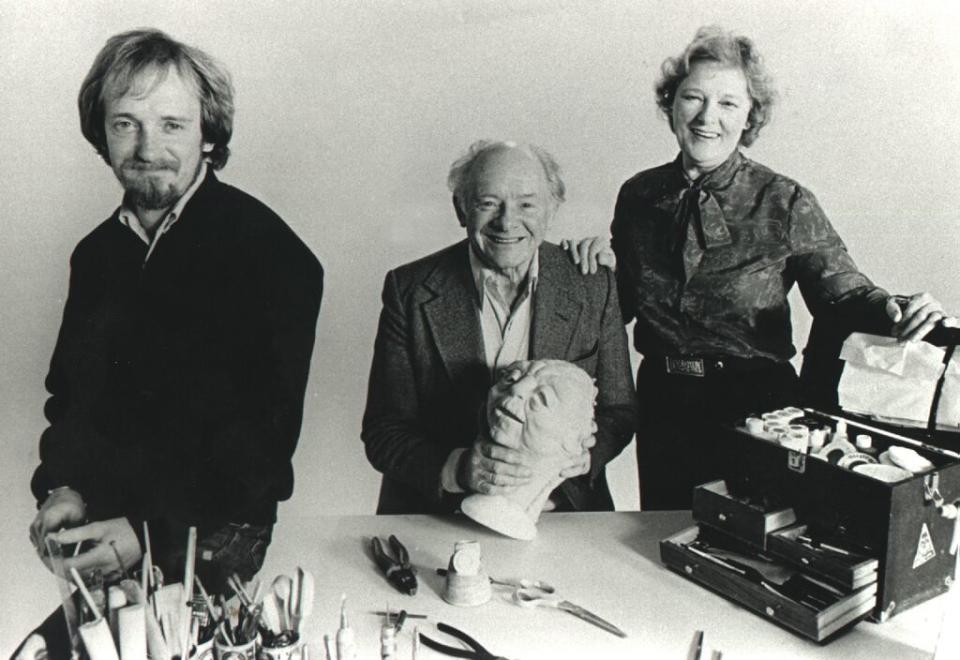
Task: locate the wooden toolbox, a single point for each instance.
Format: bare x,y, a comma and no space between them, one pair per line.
779,591
907,526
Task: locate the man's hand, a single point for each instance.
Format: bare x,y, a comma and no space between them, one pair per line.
580,464
98,537
590,253
492,469
64,507
915,316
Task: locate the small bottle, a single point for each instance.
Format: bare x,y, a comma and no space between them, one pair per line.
388,642
818,437
792,413
840,432
346,644
755,426
865,444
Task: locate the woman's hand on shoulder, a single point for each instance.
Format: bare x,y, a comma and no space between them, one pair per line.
915,316
590,253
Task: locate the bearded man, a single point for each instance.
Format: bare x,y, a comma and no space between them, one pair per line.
177,382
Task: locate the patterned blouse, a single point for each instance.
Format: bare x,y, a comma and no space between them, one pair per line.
705,266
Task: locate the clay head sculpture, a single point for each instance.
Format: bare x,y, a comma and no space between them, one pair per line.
544,409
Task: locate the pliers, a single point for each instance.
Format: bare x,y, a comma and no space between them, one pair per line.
476,652
399,572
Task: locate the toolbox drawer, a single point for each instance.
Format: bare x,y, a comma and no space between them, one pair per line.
713,505
818,623
831,562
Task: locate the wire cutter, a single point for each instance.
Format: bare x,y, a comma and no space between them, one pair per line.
476,651
399,572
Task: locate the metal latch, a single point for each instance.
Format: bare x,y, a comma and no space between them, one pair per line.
797,461
950,511
931,489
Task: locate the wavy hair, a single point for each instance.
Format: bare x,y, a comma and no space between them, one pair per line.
127,55
714,44
461,171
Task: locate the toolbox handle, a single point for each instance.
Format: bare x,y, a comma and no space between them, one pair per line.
938,391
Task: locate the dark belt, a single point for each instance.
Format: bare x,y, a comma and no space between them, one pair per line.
703,366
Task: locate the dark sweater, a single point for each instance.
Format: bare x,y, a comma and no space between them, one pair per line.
177,385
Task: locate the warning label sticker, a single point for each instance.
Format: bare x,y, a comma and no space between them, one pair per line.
925,549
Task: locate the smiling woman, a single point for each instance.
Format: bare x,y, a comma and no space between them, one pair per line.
708,247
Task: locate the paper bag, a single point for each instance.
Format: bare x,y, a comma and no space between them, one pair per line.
896,382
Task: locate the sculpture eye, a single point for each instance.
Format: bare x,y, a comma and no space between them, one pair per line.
539,400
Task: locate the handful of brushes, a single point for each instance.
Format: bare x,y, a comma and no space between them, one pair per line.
288,602
136,620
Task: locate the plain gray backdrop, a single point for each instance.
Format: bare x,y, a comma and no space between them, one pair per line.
349,114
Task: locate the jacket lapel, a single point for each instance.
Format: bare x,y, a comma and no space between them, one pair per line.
556,310
451,315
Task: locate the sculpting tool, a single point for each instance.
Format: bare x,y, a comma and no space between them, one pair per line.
55,553
282,586
409,615
116,553
206,598
85,593
696,646
303,598
186,607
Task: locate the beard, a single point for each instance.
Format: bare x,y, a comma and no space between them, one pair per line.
150,186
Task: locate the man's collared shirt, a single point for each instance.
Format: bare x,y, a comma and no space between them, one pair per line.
505,326
129,218
505,330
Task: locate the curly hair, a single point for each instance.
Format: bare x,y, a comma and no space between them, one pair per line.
713,44
127,55
461,171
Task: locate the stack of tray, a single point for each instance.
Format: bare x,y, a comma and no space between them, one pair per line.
761,558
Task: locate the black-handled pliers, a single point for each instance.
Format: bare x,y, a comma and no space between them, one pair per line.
476,651
399,572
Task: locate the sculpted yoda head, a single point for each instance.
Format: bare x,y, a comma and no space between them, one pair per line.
543,408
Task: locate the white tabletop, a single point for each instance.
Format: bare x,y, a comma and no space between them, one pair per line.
607,562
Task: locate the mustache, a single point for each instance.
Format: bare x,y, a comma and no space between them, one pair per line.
150,166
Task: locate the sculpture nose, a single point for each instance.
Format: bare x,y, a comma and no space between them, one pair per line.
523,387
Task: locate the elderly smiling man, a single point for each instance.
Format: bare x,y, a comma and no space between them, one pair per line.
452,320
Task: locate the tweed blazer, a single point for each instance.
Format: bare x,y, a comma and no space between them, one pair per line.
429,378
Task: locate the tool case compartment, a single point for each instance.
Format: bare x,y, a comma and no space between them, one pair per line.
792,600
746,519
900,523
823,558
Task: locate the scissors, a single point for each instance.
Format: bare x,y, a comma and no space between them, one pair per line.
476,651
533,597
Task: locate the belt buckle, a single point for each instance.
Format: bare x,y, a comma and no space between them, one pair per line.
685,367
